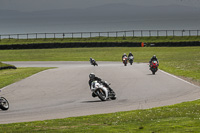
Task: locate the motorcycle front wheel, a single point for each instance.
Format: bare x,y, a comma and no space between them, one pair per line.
4,105
153,70
101,94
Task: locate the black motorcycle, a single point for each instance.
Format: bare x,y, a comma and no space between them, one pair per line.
130,58
4,105
93,62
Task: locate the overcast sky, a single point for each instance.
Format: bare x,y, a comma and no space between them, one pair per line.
35,5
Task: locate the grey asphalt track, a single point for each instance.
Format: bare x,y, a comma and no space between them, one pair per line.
64,92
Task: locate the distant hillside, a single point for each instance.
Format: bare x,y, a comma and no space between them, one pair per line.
110,11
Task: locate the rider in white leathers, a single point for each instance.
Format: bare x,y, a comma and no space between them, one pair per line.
94,78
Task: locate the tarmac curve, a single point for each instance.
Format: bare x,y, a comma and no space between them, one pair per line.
63,91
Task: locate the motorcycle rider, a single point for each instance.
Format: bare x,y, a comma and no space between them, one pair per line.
130,54
154,58
92,78
124,55
92,61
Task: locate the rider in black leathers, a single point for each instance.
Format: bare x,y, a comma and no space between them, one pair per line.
94,78
91,59
153,58
93,62
130,54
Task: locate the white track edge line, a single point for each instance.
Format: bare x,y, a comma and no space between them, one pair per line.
179,78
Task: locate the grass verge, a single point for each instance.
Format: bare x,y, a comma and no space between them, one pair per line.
102,39
9,76
5,65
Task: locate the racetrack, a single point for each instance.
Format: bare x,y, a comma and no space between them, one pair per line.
64,92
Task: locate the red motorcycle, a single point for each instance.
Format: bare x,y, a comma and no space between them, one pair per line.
125,60
154,67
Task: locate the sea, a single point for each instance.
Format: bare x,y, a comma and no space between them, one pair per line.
62,25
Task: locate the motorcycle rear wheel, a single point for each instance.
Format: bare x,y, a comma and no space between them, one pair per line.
4,105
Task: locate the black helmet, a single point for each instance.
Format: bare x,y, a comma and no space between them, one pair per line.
154,56
92,76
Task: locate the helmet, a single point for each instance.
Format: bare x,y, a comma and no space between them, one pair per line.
124,53
154,56
130,53
92,75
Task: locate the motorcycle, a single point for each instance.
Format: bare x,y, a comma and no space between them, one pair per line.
154,67
101,91
4,105
130,58
93,62
125,60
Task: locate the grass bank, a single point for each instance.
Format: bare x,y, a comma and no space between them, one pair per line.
102,39
4,65
9,76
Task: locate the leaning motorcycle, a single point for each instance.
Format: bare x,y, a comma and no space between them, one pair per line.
4,105
93,62
101,91
130,58
154,67
125,60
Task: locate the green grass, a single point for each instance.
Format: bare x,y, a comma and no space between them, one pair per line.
102,39
3,64
9,76
179,118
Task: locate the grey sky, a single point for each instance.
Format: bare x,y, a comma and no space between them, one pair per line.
34,5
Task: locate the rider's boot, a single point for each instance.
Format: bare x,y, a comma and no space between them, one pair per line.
111,92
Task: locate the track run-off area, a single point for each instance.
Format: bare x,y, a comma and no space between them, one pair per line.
64,91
